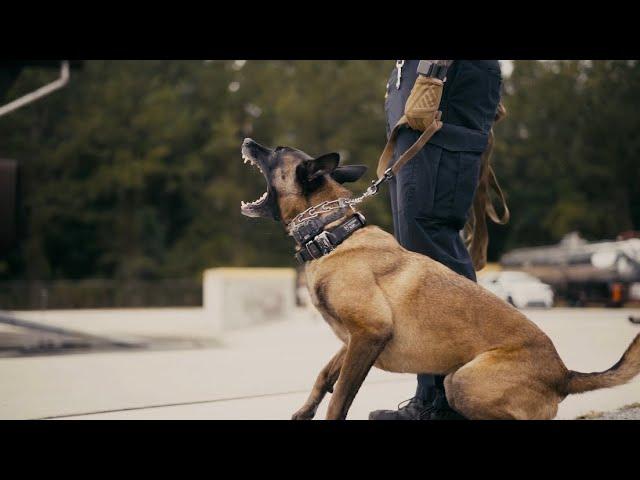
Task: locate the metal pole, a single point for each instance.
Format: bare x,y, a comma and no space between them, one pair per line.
41,92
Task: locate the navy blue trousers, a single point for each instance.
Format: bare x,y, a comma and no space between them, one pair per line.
432,194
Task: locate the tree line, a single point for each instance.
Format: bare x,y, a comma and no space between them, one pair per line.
133,171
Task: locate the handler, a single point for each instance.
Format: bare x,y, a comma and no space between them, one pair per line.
432,194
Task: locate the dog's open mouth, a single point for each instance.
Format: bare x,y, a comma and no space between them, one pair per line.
257,207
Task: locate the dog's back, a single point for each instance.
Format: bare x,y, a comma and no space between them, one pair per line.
434,308
443,323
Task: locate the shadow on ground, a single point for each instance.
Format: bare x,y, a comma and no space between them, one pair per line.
19,338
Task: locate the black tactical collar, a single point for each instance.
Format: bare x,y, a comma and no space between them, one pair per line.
317,242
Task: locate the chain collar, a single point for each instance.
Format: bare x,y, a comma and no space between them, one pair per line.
340,203
316,210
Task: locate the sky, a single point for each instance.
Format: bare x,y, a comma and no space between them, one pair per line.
507,67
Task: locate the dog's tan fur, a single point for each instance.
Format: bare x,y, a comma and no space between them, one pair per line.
404,312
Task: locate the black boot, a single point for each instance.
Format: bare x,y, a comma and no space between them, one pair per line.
440,408
418,409
414,409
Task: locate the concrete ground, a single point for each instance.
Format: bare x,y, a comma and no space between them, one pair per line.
628,412
265,372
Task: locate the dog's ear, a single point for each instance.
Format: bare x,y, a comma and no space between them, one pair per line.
348,173
317,167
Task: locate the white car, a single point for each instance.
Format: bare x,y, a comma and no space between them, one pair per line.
518,288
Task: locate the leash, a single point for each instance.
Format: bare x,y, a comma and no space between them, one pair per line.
385,173
476,237
411,152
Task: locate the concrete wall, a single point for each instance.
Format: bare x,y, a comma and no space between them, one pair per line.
239,297
232,297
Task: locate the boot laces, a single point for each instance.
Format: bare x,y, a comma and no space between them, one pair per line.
408,402
424,410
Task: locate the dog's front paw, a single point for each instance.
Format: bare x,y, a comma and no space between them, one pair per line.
304,414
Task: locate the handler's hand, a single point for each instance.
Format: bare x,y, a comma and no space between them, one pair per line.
423,102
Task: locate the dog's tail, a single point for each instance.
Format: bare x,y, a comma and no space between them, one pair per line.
627,367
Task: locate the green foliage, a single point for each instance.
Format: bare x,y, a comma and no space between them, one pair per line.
567,153
133,171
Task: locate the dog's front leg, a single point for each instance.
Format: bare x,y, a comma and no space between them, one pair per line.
362,351
324,383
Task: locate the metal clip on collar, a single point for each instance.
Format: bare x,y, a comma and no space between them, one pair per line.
375,184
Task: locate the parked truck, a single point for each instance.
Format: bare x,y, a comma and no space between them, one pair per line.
582,272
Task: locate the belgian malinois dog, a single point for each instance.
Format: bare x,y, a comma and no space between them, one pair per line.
404,312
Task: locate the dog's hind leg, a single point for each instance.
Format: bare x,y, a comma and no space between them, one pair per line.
324,383
492,387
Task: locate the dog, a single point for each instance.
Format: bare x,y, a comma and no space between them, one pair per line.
404,312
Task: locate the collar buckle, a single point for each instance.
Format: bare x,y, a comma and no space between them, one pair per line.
324,243
320,245
313,250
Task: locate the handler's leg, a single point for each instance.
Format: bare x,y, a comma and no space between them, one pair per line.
431,197
432,226
433,192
